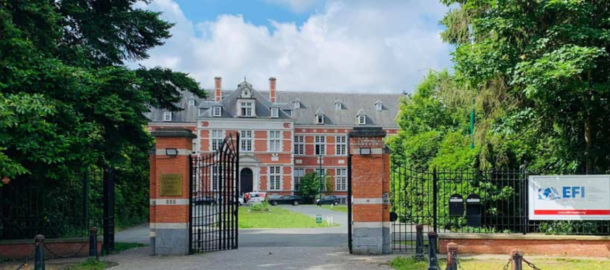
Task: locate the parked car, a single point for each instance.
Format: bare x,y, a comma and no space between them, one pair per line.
328,200
288,199
205,200
256,197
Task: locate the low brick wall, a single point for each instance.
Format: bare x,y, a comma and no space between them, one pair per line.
531,244
22,249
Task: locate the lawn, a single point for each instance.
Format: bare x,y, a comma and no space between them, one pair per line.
403,263
276,217
338,208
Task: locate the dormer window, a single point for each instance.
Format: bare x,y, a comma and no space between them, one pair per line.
296,104
216,111
378,106
246,108
361,119
338,105
191,103
319,119
275,112
167,116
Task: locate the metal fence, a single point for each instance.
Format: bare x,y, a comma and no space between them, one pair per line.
469,201
55,208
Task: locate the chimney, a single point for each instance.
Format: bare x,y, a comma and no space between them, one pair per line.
272,89
218,93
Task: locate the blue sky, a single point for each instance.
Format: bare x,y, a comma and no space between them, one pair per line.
311,45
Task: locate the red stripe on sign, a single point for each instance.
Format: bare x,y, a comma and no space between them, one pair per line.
573,212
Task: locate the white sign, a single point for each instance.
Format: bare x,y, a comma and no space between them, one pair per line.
573,197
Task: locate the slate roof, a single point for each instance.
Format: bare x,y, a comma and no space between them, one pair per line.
311,103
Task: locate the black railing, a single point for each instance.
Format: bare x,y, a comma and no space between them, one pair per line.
469,201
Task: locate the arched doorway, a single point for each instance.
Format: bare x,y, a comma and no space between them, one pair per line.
246,181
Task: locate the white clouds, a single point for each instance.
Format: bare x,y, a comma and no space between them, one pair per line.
355,46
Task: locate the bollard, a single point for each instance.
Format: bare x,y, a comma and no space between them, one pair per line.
517,259
419,243
93,243
432,259
452,263
39,253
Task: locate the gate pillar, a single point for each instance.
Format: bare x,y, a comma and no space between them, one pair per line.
370,172
169,191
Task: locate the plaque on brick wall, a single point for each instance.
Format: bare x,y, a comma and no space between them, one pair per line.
170,185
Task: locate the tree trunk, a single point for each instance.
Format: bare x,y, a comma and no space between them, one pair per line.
588,145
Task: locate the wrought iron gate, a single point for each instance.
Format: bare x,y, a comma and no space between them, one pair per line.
214,192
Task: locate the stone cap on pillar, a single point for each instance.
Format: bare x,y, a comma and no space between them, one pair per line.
174,132
367,132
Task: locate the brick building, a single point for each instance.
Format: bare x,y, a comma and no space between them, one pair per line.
284,135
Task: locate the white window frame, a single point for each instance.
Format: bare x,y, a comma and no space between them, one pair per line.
216,111
167,116
216,138
275,112
296,104
338,106
319,145
341,145
247,108
378,106
299,145
274,178
341,179
319,119
195,143
298,173
361,119
192,103
246,140
274,141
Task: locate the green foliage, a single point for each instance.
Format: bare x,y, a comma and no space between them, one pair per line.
309,187
260,207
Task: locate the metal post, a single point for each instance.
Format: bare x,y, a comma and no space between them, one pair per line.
432,259
39,253
435,198
419,242
517,259
472,129
452,263
320,172
93,243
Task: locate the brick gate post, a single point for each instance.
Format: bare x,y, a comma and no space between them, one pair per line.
370,191
169,191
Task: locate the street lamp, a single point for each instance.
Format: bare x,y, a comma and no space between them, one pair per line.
320,173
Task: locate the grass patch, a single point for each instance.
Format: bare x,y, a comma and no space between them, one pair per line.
403,263
90,264
122,246
277,217
338,208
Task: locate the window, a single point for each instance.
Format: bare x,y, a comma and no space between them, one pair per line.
246,140
275,141
378,106
195,149
275,112
167,116
296,104
216,138
338,105
298,176
319,119
320,145
217,111
361,119
214,178
201,111
275,178
247,108
341,180
341,145
299,145
191,103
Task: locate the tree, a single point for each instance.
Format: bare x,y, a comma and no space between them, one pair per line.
309,187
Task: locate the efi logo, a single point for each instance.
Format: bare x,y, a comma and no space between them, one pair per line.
568,192
548,194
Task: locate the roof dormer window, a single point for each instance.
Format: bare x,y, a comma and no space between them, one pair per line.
338,105
275,112
361,119
167,116
246,108
296,104
378,106
192,103
319,119
216,111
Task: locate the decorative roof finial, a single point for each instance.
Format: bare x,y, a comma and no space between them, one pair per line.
245,79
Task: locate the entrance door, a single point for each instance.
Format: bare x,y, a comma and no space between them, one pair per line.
246,181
